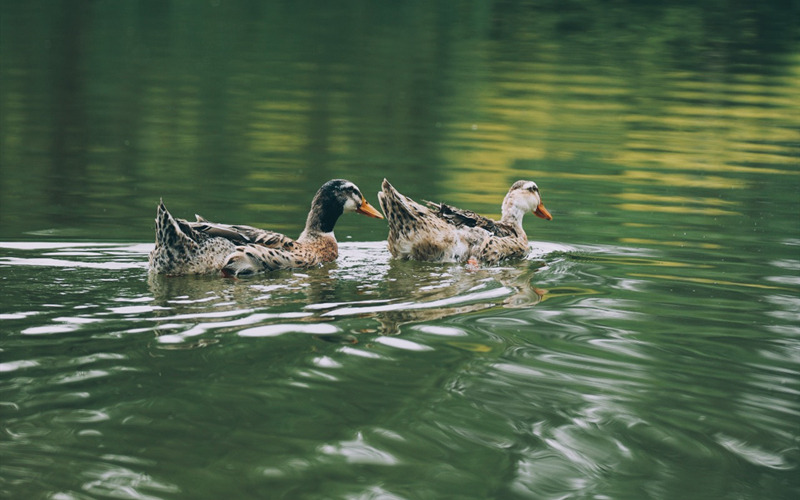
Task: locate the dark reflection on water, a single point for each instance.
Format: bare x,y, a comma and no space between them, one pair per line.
650,353
567,373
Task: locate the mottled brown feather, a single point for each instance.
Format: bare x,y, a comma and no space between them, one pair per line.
467,218
443,233
203,246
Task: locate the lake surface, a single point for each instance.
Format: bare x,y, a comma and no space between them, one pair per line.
647,348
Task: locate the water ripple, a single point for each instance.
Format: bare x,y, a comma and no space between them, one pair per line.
11,366
753,454
283,328
541,367
204,327
357,451
410,306
115,481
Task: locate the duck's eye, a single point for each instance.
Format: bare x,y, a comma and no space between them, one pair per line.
350,190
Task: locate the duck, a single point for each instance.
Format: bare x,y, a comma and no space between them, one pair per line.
204,247
437,232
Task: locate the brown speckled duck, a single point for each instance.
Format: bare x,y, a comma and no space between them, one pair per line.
203,247
441,233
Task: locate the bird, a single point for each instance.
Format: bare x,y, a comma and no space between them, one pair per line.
443,233
204,247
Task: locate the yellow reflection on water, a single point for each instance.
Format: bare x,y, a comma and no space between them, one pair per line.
673,209
683,180
471,346
673,199
688,160
681,244
640,261
638,224
561,291
708,281
682,130
630,177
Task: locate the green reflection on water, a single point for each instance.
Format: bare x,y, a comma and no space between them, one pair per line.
239,111
647,355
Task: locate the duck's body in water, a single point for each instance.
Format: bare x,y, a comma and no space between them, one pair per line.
441,233
203,247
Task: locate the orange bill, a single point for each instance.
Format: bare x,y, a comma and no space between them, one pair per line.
368,210
542,212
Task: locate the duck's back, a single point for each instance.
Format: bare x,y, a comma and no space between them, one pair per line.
202,247
182,249
443,233
416,232
458,217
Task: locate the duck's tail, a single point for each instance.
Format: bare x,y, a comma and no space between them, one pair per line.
172,232
175,241
398,208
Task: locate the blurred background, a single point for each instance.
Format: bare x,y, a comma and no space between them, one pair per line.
630,111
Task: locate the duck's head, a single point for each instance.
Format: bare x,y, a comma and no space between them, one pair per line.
525,196
333,199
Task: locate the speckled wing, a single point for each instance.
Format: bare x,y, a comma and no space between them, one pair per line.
242,235
466,218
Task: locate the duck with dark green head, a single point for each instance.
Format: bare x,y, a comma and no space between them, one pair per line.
203,247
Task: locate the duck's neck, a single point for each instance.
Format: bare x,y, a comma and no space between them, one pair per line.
512,214
322,217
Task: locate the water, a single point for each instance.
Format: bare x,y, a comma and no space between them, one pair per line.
647,347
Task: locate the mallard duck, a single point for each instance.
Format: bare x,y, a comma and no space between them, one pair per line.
202,246
441,233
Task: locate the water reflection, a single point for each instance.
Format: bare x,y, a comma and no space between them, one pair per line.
558,364
316,294
650,354
469,103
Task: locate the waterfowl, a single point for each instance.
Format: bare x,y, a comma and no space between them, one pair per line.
442,233
202,247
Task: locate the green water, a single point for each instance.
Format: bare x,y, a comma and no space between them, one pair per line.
646,349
